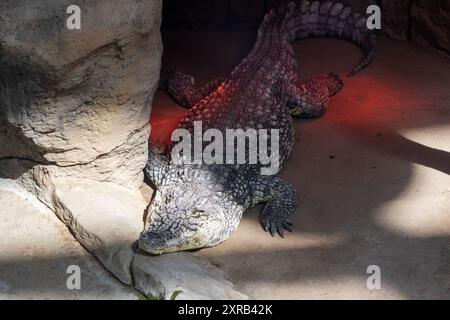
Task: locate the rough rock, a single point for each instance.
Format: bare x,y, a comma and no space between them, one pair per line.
78,101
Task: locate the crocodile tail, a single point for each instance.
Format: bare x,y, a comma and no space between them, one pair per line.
272,30
272,35
333,20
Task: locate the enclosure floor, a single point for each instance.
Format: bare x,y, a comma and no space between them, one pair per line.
373,174
36,250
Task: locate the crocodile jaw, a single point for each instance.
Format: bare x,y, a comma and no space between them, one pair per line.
158,247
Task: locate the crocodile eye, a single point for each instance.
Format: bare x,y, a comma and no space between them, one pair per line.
197,213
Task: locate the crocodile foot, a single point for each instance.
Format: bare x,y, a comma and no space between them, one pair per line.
274,223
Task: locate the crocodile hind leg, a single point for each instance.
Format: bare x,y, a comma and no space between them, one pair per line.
182,87
281,200
310,99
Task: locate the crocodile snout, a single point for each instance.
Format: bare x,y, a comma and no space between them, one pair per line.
151,242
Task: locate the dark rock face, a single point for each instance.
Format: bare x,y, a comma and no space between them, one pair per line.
418,21
396,18
430,23
247,12
415,21
196,13
228,13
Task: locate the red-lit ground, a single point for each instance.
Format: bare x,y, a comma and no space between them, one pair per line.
373,174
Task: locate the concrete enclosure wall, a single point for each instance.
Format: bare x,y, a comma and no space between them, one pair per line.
416,21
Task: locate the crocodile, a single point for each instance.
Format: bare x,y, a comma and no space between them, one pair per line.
201,205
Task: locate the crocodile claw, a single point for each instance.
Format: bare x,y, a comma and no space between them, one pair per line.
287,225
276,224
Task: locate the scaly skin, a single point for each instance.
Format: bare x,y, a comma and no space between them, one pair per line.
201,205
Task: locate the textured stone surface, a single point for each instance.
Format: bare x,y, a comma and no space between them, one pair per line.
78,101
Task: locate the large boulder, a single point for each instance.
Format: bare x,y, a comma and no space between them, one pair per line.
36,251
78,101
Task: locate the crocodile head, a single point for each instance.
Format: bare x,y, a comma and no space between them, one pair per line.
189,211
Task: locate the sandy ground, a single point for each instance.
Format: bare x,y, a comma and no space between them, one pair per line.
373,175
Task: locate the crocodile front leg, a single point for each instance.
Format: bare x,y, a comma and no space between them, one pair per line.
157,166
181,87
310,99
281,199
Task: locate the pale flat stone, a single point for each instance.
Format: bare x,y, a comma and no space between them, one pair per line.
4,289
182,273
36,250
105,218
